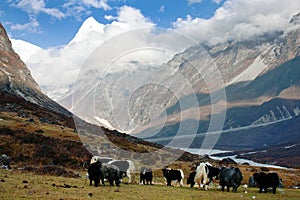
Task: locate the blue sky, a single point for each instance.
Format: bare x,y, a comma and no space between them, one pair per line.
48,23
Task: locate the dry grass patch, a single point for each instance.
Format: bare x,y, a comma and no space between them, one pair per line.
20,185
14,122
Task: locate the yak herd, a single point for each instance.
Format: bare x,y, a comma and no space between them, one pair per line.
101,169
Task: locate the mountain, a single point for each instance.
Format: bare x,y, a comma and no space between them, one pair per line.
32,126
88,27
262,100
16,79
37,132
25,49
237,74
61,64
255,90
250,84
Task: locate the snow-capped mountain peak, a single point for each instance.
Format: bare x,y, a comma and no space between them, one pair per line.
24,49
88,26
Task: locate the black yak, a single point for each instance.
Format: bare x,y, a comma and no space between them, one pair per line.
264,181
230,177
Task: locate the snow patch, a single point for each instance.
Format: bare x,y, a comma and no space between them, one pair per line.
253,152
210,152
203,151
269,118
254,70
286,112
24,49
27,98
104,122
296,111
291,146
251,163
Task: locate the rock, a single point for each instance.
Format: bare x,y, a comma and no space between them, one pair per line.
30,120
227,161
264,169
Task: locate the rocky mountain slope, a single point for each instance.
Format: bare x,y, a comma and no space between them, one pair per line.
255,73
244,72
16,79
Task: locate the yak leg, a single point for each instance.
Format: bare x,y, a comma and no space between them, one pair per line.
102,180
111,182
199,185
180,182
206,187
234,188
274,190
169,182
96,181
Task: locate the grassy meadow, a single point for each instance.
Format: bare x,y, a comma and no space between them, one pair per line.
57,144
20,185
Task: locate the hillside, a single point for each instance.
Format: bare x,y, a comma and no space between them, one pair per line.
32,135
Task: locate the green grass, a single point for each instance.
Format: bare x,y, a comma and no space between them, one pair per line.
12,186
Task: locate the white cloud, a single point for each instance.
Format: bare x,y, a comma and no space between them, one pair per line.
162,9
75,8
133,17
33,8
217,1
38,6
239,19
194,1
190,2
32,26
109,17
56,69
79,9
97,4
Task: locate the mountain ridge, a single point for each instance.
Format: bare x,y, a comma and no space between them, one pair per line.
263,98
